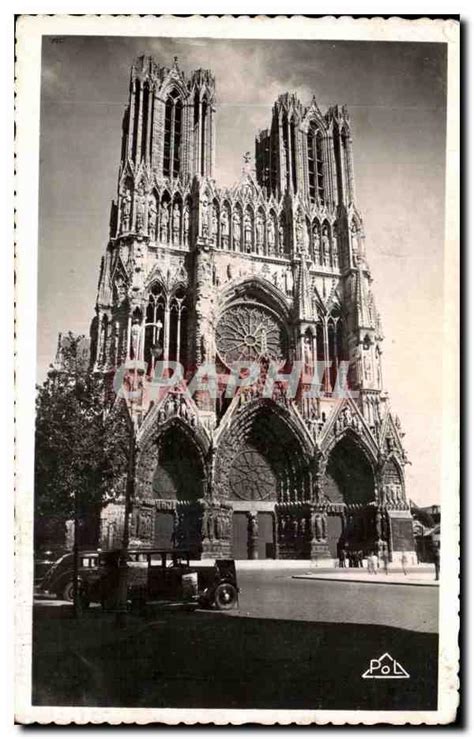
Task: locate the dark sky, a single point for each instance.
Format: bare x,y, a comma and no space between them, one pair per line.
396,95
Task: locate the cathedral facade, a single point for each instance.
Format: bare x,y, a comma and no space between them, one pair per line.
269,272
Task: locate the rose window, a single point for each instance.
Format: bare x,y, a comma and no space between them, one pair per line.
252,477
249,332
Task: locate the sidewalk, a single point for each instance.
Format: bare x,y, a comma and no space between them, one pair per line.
419,576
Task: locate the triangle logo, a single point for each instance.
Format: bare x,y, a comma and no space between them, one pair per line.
385,668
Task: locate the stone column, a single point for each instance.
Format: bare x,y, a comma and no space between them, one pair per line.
212,124
148,124
140,123
332,190
281,150
327,378
131,121
349,170
342,169
166,331
253,535
203,347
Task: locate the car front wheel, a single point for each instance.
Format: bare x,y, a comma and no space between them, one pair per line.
225,596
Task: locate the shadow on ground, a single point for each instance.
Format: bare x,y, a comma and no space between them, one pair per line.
206,660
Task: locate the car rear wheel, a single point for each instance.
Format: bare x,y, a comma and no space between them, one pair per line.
68,593
225,596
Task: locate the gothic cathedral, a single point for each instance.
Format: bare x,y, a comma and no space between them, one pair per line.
272,270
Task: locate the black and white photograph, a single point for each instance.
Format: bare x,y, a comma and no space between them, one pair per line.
239,476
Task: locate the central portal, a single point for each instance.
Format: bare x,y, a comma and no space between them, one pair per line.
265,470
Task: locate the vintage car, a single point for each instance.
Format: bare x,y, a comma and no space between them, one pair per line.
163,575
44,560
59,578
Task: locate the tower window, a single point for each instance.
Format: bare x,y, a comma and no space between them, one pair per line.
172,138
315,165
203,137
289,145
319,166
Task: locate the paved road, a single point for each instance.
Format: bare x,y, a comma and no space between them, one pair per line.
292,644
276,594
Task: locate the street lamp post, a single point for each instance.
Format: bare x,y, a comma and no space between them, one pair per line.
122,589
75,555
122,585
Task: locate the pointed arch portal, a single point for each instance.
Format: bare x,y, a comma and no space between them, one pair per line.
171,485
179,472
349,474
268,463
349,483
262,466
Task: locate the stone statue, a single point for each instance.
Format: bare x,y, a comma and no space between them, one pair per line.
214,224
367,368
271,235
120,289
225,228
315,237
186,224
135,337
219,527
205,217
165,218
236,226
326,248
126,209
208,351
281,238
354,243
140,210
299,230
176,223
335,251
152,217
259,231
308,353
318,527
247,233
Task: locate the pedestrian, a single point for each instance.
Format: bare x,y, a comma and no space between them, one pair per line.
370,564
436,561
385,561
404,562
375,562
342,557
361,558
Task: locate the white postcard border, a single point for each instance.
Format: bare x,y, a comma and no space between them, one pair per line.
30,30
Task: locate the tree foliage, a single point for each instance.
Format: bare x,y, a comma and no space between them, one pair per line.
69,456
81,443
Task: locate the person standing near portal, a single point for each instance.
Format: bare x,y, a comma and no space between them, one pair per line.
404,562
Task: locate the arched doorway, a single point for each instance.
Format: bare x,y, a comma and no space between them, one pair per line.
177,486
349,487
266,470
